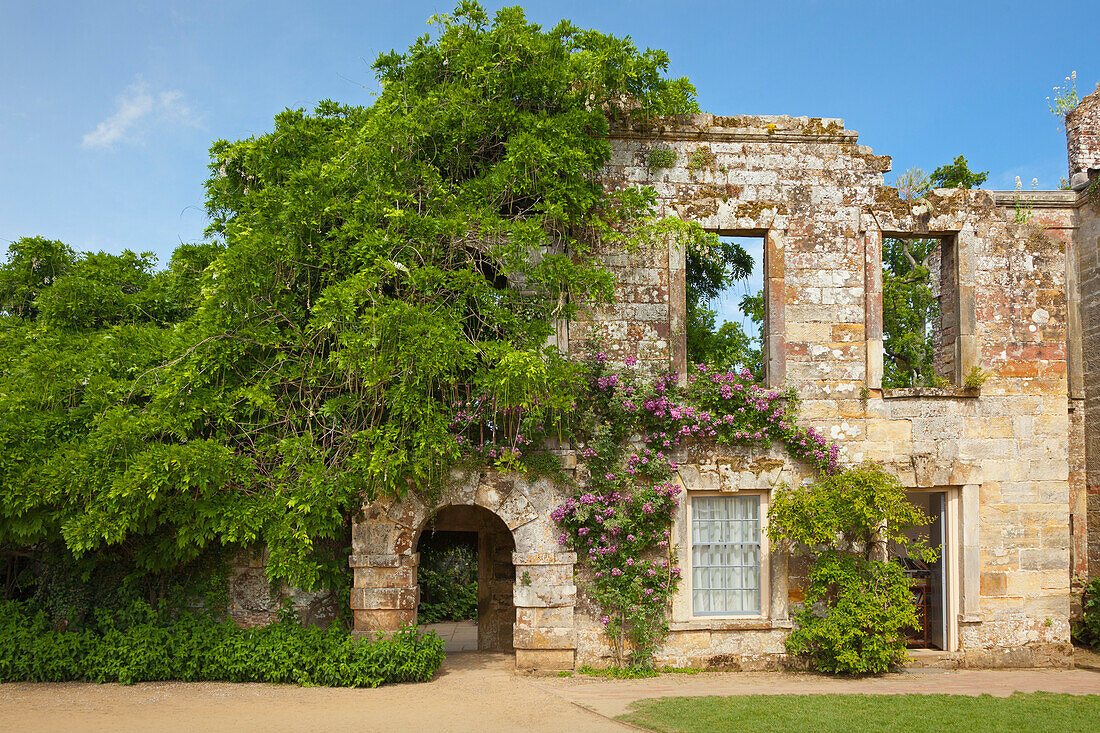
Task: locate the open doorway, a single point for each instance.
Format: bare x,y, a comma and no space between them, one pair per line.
934,585
466,579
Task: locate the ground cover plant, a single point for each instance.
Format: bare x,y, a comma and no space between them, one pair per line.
871,713
141,644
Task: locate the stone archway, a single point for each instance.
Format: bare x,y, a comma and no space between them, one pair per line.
496,575
385,595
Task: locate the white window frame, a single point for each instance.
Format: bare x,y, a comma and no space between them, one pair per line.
687,594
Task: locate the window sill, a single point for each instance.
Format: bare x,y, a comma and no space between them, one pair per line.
900,393
730,624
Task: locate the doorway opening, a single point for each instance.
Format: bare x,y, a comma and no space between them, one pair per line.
467,579
934,585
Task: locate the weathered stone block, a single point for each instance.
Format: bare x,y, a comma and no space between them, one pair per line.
525,637
540,596
545,660
375,620
385,598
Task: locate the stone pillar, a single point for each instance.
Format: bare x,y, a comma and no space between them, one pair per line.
872,293
968,353
384,593
545,596
677,311
969,556
778,579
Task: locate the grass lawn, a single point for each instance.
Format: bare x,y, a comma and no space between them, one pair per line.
1040,711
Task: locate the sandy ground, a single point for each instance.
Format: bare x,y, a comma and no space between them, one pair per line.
473,692
457,636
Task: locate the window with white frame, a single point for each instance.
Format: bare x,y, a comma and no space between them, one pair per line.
725,555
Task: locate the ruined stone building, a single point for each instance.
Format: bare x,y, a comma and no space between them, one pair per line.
1009,471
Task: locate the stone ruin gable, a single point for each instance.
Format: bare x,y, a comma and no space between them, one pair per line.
384,560
803,181
819,200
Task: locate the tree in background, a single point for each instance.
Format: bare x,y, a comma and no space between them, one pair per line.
727,346
910,310
957,175
356,289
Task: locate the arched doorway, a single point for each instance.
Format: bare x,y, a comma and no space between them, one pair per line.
444,539
385,593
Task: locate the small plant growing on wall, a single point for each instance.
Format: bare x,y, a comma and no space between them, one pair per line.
975,378
661,158
858,603
1065,97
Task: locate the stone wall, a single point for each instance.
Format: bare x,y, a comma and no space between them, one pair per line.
1005,450
254,601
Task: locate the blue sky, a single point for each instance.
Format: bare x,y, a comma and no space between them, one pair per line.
107,109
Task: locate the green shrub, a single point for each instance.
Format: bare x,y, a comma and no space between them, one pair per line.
857,629
140,645
1087,631
661,158
857,605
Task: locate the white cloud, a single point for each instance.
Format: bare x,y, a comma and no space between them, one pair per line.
139,108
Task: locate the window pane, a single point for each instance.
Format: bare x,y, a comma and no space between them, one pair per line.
725,533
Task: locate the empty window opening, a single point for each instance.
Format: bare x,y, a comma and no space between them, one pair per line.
466,579
920,311
725,303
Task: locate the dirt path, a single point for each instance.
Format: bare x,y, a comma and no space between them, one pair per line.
473,692
612,697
